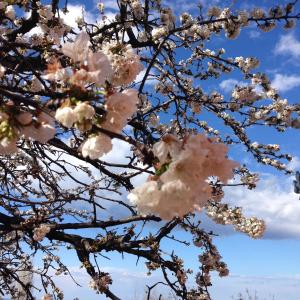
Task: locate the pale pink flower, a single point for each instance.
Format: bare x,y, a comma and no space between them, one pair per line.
114,122
146,196
66,116
183,186
124,103
169,147
58,75
45,118
125,62
77,50
24,118
39,132
40,232
84,111
96,146
99,68
8,146
120,106
45,133
80,78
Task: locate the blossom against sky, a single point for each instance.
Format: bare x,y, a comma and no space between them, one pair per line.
268,266
255,264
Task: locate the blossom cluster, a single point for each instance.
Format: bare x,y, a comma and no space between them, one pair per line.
93,67
168,20
180,185
100,283
211,261
222,214
82,113
119,106
124,62
228,21
58,28
245,94
115,65
40,232
33,125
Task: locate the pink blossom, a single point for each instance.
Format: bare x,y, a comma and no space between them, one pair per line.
24,118
183,187
39,132
120,106
84,111
96,146
99,68
8,146
77,50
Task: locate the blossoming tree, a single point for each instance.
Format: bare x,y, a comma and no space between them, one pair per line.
66,93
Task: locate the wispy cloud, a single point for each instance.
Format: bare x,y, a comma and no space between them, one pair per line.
284,83
109,4
254,34
228,85
288,45
265,287
131,285
75,12
274,201
127,283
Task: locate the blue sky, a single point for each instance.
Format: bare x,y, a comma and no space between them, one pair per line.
270,266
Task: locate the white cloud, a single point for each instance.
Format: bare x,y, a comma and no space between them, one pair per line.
75,12
127,283
284,83
274,201
110,4
288,45
130,284
265,287
254,34
294,165
228,85
151,80
119,152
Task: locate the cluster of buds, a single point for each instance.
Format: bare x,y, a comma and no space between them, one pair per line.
100,282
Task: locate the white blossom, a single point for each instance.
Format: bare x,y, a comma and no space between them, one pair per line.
125,63
84,111
96,146
79,49
66,116
10,12
40,232
2,71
